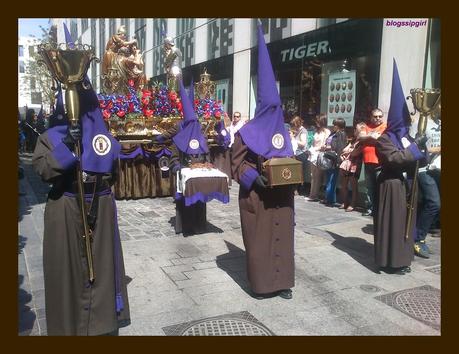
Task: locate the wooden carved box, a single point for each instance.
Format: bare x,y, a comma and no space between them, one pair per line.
283,170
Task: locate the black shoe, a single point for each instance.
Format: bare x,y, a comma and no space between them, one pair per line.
262,296
285,294
402,270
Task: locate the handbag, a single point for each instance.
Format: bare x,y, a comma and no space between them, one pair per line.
331,155
324,163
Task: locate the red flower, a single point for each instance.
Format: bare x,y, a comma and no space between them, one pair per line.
106,114
147,112
146,93
131,107
218,115
145,101
206,115
121,114
131,82
172,96
179,106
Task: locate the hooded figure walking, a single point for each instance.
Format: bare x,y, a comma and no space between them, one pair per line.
397,152
75,306
267,219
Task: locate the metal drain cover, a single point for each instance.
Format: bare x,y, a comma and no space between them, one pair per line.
422,303
238,324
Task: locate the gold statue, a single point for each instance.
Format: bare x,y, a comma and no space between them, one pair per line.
122,62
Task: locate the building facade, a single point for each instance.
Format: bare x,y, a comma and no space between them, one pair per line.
308,55
28,93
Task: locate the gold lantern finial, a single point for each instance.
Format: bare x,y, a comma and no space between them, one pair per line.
205,88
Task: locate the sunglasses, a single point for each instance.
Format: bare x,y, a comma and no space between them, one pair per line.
379,116
236,116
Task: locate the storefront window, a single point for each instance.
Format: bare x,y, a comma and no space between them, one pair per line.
304,64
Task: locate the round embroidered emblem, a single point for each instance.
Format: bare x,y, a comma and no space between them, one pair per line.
223,132
163,163
60,116
286,173
278,141
194,144
101,144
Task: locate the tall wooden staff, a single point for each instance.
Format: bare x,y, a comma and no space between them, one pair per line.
68,64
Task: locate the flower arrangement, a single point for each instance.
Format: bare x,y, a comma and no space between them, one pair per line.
208,109
157,102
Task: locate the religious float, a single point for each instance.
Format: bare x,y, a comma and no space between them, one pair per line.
135,111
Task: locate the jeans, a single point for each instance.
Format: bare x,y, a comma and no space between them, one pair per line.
372,171
429,209
330,189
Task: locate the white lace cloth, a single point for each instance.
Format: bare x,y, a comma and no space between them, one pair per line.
187,173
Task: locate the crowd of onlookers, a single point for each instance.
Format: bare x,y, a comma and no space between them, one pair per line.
335,157
29,129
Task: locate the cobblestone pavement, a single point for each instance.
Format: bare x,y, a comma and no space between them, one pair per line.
178,281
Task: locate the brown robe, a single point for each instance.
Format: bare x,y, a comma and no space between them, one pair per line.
220,158
72,306
267,224
392,249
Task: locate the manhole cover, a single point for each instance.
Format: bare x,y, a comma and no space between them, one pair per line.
435,269
370,288
422,303
238,324
225,327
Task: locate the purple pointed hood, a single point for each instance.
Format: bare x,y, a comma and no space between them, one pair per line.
58,117
99,149
265,134
398,118
191,92
40,115
68,37
189,139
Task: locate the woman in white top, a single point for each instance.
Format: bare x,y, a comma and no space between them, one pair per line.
299,136
318,144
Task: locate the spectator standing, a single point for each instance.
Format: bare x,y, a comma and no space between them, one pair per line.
349,172
235,125
318,144
368,133
299,136
334,144
429,187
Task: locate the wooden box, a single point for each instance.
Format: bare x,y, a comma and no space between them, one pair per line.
283,170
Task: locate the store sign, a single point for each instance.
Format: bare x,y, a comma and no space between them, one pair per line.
304,51
341,97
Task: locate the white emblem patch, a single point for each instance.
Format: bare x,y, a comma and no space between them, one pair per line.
224,132
101,144
278,141
60,116
194,144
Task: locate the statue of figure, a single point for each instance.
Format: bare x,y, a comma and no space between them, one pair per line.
172,63
122,62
